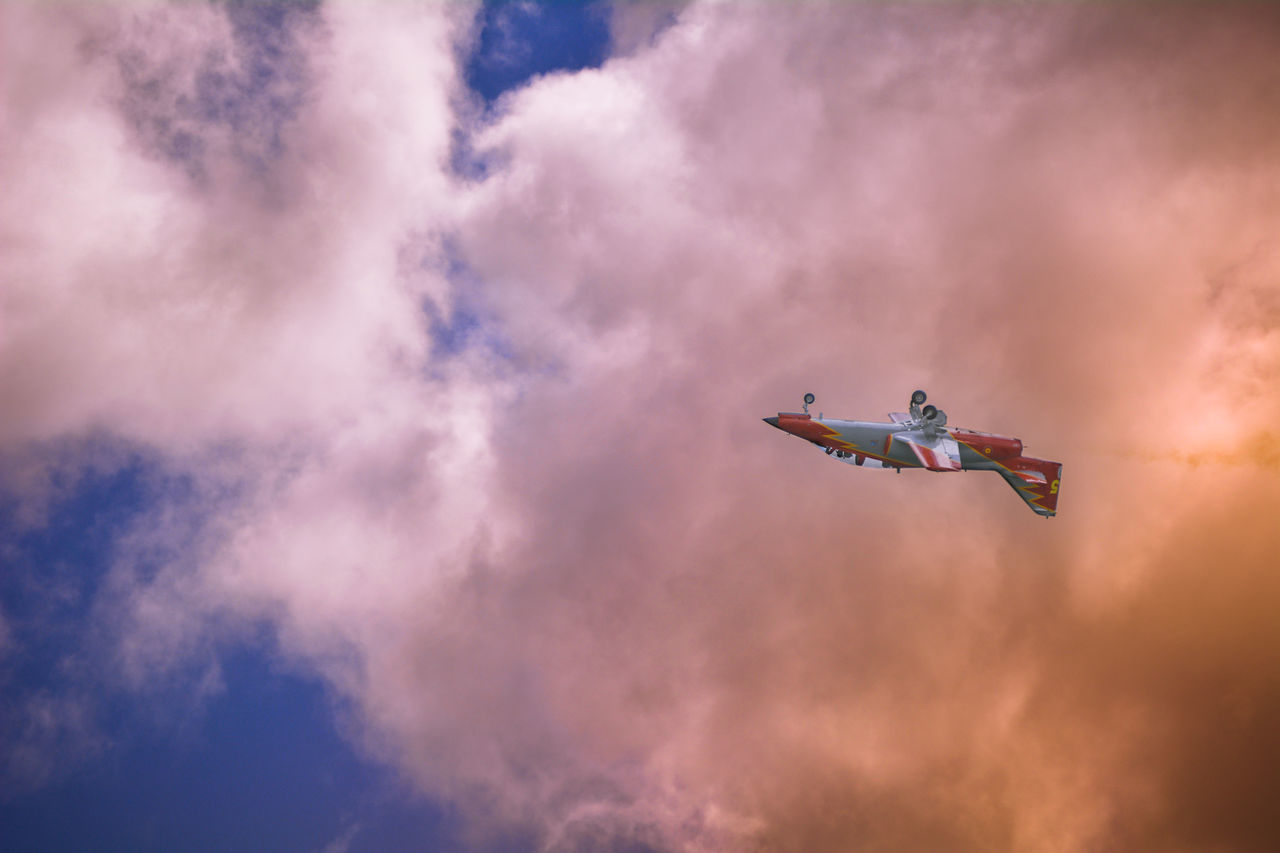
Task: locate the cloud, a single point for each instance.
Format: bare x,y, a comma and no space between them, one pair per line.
575,585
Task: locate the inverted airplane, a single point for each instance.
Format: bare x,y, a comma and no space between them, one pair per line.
921,438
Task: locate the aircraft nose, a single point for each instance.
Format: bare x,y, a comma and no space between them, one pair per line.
773,422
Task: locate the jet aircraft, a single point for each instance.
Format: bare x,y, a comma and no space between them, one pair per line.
920,438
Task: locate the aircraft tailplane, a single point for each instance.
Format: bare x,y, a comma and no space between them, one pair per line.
1035,480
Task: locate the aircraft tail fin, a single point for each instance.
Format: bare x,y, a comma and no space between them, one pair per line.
1036,481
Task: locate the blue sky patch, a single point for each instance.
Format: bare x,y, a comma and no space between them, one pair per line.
521,40
52,572
257,764
264,770
517,41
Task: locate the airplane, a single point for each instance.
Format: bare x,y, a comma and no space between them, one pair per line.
920,438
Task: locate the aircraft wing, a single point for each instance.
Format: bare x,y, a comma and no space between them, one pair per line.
940,453
900,417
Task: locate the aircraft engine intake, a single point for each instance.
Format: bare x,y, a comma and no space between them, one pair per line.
991,446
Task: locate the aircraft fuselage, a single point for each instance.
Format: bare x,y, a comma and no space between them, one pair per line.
906,444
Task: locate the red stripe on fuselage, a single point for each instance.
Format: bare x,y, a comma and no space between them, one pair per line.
804,426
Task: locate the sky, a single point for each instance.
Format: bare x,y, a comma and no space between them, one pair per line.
381,456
